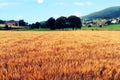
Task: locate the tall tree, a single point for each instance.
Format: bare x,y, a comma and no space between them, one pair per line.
50,23
6,27
2,22
61,22
22,23
37,25
74,22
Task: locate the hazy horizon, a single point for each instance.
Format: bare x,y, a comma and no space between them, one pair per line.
40,10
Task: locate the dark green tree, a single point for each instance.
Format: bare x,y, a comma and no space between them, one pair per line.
37,25
6,27
2,22
74,22
61,22
108,22
50,23
32,26
119,21
22,23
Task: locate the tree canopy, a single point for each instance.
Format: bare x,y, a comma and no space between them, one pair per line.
50,23
62,22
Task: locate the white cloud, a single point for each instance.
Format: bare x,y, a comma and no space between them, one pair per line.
3,4
40,1
79,3
83,3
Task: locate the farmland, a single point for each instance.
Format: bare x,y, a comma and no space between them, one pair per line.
113,27
60,55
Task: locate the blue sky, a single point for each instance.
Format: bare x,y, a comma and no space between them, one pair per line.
40,10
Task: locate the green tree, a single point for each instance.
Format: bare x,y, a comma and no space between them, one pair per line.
74,22
50,23
61,22
2,22
108,22
22,23
6,27
37,25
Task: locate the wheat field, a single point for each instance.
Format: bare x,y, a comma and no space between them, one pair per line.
60,55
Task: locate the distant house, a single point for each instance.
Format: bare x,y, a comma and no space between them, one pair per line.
12,23
114,21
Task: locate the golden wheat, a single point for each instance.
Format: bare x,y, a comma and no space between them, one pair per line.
60,55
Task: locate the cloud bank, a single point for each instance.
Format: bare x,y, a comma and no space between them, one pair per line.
3,4
40,1
83,3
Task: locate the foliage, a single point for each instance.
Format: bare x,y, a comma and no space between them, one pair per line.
61,22
22,23
74,22
35,25
50,23
6,27
2,22
70,22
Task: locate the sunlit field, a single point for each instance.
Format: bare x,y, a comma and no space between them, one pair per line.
60,55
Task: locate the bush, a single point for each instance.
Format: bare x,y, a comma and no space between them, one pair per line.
6,27
100,25
89,25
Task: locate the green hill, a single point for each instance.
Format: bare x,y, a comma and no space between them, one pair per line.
108,13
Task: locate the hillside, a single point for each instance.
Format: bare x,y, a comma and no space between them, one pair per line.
108,13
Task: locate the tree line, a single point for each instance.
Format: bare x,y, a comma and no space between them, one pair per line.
62,22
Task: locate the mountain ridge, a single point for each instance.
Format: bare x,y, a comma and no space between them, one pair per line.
108,13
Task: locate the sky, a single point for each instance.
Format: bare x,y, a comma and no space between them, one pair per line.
41,10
